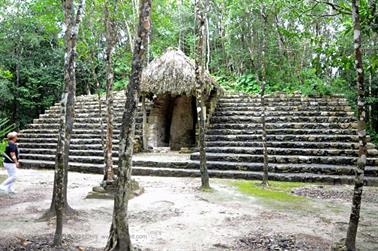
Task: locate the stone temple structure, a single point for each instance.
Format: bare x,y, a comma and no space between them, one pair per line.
309,138
169,82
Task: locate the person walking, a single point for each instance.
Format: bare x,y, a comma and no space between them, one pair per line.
10,163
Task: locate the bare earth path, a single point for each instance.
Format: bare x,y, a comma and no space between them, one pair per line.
173,214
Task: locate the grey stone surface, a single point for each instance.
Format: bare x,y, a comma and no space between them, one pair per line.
309,139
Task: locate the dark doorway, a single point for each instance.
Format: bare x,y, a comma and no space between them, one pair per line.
171,122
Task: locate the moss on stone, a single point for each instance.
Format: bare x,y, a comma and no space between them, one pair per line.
206,189
277,191
99,192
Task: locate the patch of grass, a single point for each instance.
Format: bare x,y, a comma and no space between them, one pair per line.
277,191
2,178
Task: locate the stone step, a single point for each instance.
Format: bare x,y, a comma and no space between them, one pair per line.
287,137
54,111
289,125
116,135
268,99
273,167
292,159
282,104
76,131
73,146
55,140
286,108
73,166
281,97
94,159
213,131
73,152
89,108
86,115
174,172
167,164
281,119
87,126
118,99
95,105
240,166
290,177
289,168
255,144
94,97
77,159
290,102
291,151
284,113
80,120
288,144
287,98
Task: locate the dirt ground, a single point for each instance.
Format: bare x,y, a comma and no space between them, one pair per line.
173,214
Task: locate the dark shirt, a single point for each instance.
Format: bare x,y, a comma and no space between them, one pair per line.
11,148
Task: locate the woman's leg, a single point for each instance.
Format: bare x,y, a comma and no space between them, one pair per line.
8,183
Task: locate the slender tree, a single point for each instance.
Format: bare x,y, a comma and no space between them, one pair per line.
181,36
207,35
71,21
111,36
119,237
262,93
200,82
350,240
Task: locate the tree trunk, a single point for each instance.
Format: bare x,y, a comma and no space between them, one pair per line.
181,33
207,34
16,100
144,123
102,129
88,87
370,115
119,237
199,70
130,38
263,82
67,114
264,143
16,94
110,41
350,241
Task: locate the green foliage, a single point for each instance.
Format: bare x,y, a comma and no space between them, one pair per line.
312,85
3,145
374,135
276,191
5,127
29,41
246,83
306,49
120,85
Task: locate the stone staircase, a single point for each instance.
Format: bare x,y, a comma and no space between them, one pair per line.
38,141
309,139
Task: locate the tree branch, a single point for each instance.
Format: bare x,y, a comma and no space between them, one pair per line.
336,7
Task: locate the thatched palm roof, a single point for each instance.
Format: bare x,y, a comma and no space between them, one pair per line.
172,73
